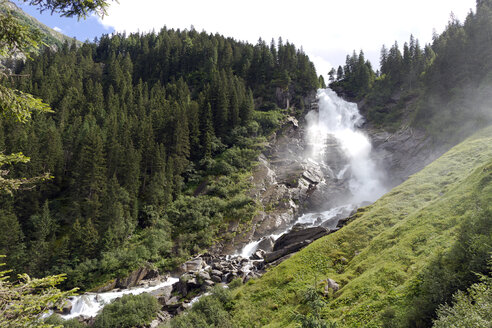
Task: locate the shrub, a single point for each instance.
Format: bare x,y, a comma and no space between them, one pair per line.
209,311
472,309
128,311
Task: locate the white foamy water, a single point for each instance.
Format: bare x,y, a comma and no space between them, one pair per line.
341,119
91,303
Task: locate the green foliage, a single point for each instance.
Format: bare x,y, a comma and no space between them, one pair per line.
57,321
22,302
453,271
312,303
16,37
128,311
269,120
470,309
71,8
210,311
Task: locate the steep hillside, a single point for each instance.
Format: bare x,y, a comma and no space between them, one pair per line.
49,36
397,260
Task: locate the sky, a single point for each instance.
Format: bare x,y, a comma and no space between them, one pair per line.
327,30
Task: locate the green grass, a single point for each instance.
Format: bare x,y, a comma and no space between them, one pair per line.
385,248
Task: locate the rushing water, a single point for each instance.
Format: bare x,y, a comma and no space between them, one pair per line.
341,119
337,119
89,304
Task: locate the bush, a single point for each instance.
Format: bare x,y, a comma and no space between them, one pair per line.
128,311
210,311
268,121
57,321
472,309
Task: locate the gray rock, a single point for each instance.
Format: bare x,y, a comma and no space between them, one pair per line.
331,284
266,244
216,273
66,308
275,255
194,265
133,279
208,283
258,255
106,288
163,294
216,279
295,237
203,275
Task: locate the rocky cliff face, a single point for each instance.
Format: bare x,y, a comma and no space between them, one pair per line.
404,152
286,183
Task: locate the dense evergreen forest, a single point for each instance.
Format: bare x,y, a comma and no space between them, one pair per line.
150,145
444,87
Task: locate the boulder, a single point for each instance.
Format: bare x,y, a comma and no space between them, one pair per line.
162,294
258,255
331,284
295,237
194,265
266,244
203,275
208,283
275,255
106,288
152,274
186,283
133,279
65,308
216,279
216,273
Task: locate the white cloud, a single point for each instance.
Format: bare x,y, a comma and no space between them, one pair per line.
59,30
327,30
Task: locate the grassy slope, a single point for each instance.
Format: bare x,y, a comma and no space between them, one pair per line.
385,247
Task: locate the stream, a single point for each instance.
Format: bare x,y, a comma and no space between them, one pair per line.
337,123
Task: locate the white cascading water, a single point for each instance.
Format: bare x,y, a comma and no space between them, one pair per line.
91,303
341,120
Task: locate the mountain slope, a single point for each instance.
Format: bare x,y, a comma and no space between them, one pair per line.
50,36
384,257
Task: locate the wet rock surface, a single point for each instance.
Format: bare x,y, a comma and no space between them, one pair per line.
296,236
287,183
404,152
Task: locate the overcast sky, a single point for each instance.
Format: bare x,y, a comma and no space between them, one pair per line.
327,30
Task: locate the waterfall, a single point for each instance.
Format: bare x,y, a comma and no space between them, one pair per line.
341,120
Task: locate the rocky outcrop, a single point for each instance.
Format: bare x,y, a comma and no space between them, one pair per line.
404,152
293,241
136,277
296,236
286,183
